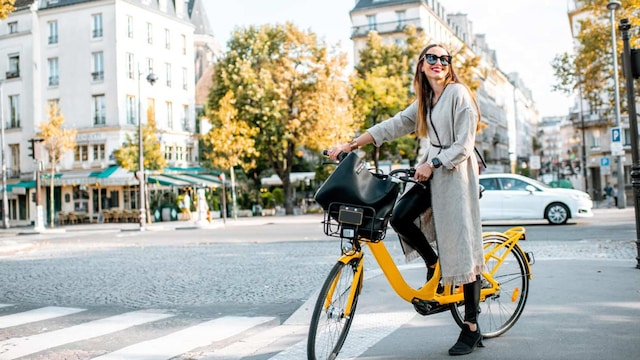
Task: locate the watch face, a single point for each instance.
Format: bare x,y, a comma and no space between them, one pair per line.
436,162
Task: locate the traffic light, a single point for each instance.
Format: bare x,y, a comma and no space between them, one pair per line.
32,152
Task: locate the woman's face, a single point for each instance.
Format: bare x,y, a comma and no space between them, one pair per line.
436,63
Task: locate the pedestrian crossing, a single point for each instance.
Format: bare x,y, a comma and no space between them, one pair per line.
226,337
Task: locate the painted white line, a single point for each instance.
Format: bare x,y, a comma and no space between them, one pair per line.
34,315
18,347
5,305
366,331
251,345
174,344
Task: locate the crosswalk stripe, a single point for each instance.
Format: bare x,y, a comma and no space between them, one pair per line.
251,345
174,344
366,330
22,346
34,315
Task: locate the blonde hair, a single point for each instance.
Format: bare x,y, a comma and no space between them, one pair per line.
424,91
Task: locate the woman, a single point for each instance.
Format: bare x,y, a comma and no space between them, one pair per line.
446,114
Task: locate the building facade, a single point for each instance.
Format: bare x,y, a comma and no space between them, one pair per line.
92,59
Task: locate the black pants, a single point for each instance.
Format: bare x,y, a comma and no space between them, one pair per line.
409,207
416,201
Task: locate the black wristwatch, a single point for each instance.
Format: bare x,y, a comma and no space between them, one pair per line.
436,163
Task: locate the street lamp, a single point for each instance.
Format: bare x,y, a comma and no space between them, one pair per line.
151,78
5,201
613,6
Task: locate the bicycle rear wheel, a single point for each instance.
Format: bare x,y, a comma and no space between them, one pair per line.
329,325
500,311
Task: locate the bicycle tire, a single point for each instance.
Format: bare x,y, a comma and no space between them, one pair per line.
329,327
497,315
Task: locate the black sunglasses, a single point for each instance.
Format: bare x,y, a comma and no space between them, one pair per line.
431,59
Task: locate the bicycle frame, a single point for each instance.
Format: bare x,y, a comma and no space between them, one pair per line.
428,291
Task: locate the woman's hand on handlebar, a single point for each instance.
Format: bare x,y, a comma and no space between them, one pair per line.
423,172
334,151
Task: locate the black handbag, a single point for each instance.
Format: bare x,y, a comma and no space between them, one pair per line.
353,186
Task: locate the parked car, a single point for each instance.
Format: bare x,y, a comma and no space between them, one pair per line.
511,196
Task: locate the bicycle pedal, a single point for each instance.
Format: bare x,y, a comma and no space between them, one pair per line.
425,308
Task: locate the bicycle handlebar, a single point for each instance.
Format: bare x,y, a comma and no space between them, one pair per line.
409,172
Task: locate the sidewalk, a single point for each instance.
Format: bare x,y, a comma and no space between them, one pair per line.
22,238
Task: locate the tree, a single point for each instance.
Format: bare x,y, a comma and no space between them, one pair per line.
56,141
590,67
127,155
287,85
6,7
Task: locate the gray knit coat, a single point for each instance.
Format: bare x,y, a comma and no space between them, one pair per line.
453,222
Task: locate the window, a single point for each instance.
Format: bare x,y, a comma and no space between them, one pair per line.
168,152
167,74
55,103
53,71
81,153
371,20
627,137
53,32
130,66
401,16
130,26
184,44
96,25
13,27
185,81
14,111
98,109
149,65
185,117
594,136
149,33
98,152
14,161
151,109
14,67
167,39
98,66
179,153
131,110
188,156
80,199
169,115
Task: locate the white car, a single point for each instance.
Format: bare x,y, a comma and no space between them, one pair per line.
511,196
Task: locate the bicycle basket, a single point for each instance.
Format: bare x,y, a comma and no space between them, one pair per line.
349,221
352,184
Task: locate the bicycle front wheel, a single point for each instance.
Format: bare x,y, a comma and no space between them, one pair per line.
500,311
329,323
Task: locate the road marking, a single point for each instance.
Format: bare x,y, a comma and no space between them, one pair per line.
366,331
249,346
34,315
5,305
22,346
175,344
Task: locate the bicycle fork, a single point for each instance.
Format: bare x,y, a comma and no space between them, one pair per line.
356,262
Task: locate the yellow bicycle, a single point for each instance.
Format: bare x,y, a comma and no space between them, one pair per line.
505,284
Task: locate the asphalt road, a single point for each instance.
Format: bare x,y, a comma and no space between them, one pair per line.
250,268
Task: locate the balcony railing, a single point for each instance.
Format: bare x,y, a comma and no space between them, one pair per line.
53,80
97,33
97,75
12,74
385,28
53,39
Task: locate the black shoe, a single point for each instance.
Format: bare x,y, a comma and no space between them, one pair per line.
467,341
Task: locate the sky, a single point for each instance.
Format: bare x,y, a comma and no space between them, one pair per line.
526,34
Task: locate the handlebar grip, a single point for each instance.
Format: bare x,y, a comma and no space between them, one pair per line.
341,156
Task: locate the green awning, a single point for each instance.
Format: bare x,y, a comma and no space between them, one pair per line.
103,174
22,184
165,180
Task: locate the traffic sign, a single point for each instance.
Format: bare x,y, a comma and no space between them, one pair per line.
616,141
616,135
605,162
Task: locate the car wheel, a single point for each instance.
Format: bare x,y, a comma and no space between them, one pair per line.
557,214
